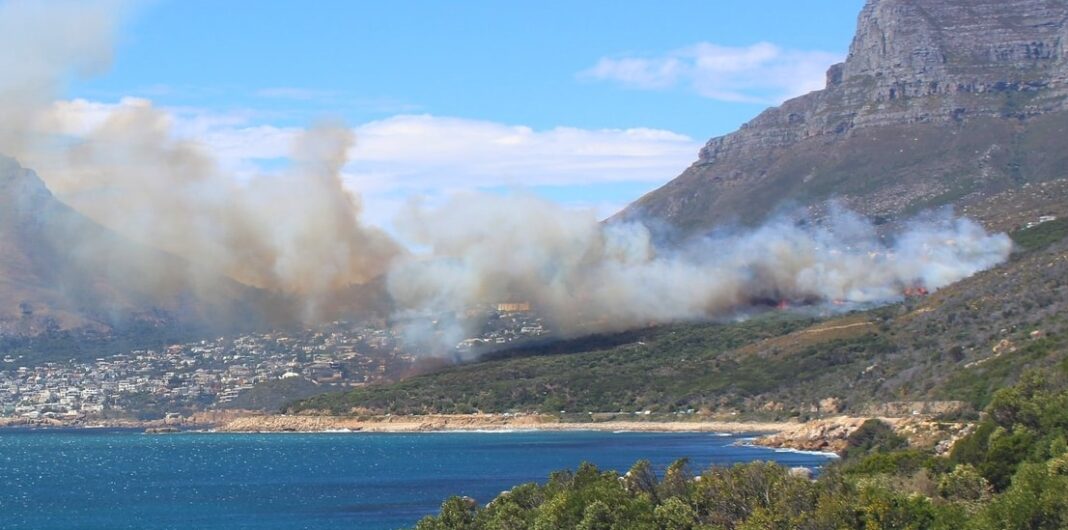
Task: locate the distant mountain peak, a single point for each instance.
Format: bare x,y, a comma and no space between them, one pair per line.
61,271
15,179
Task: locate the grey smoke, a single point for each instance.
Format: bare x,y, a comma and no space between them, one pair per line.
586,276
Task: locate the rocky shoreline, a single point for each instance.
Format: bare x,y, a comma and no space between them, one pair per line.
831,434
199,421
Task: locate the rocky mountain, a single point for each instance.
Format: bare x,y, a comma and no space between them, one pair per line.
61,271
939,102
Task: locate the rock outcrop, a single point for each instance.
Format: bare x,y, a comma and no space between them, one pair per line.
832,434
939,102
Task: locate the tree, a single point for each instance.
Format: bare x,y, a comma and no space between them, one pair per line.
597,516
678,480
1035,501
965,484
641,480
884,509
457,513
675,514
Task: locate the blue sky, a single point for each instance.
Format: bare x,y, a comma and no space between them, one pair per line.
640,85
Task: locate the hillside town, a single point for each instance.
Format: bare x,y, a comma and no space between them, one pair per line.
216,373
197,375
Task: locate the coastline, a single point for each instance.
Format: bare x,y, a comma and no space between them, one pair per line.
819,436
824,436
479,423
258,422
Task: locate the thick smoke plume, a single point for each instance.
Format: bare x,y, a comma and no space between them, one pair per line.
298,233
586,276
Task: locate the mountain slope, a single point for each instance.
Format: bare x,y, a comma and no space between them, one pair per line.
945,352
939,102
61,271
961,102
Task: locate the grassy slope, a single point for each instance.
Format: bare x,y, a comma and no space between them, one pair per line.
959,344
661,364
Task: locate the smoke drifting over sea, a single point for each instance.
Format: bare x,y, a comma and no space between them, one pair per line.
298,232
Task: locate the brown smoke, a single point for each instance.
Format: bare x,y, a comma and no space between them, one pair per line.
296,232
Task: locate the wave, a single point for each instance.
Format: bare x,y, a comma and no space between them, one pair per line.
827,454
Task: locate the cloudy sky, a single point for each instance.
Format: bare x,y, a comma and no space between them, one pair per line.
589,104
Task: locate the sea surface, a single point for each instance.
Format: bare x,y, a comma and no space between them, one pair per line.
126,479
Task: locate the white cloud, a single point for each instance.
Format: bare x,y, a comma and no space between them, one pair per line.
426,152
760,73
430,156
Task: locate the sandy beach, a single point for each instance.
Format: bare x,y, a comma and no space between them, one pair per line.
479,422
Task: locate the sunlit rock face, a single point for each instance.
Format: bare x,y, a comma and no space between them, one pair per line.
939,102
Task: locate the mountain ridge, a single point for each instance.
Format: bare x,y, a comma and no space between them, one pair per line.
939,102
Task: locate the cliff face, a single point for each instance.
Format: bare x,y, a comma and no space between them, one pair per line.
939,102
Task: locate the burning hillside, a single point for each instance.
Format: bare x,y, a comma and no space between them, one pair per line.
298,232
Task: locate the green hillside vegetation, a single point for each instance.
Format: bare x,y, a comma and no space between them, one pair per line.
959,344
1042,235
634,376
1010,473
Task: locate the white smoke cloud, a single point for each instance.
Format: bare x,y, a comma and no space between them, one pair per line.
585,276
41,45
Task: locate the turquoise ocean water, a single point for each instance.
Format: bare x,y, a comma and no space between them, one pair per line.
124,479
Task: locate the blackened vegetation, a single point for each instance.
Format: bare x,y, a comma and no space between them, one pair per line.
552,346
